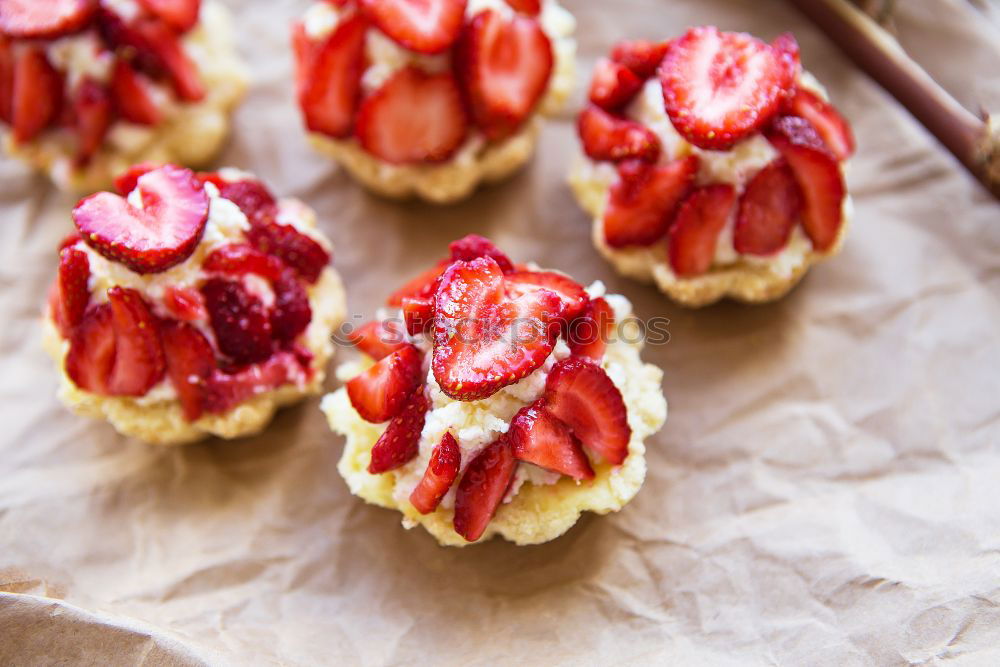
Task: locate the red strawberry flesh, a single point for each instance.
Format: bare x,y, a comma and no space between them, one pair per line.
608,137
93,110
400,442
73,293
331,78
291,312
238,259
190,366
440,474
418,314
831,126
421,286
379,393
379,338
537,437
482,487
473,245
574,297
297,250
139,360
768,211
425,26
642,57
642,203
696,229
241,323
589,334
44,20
613,85
37,94
132,97
182,15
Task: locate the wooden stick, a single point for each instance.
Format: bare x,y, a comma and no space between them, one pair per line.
975,142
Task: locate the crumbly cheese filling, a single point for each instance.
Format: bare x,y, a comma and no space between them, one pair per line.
476,424
476,160
737,166
189,134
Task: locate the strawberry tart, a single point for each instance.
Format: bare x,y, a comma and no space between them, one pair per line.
190,305
713,166
497,399
431,97
91,87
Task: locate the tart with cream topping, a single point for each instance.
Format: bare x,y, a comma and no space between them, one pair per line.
497,399
90,87
189,305
713,166
431,97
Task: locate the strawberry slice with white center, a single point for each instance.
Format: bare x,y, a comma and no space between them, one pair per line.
37,94
581,395
156,237
38,19
769,209
721,87
613,85
425,26
442,469
379,338
482,487
164,46
132,96
818,175
473,245
422,286
237,259
72,291
400,442
331,78
537,437
641,204
574,297
504,66
589,334
485,339
696,229
93,109
139,361
418,314
190,365
608,137
380,392
182,15
831,126
414,117
641,56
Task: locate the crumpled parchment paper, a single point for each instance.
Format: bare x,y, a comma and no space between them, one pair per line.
825,490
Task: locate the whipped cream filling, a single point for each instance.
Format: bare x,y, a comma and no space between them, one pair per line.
736,166
476,424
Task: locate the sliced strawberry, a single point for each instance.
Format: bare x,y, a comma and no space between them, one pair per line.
414,117
131,94
422,286
721,87
379,338
182,15
291,246
574,297
237,259
818,175
696,228
473,245
400,442
126,181
303,51
190,366
418,314
164,45
332,79
504,66
45,20
91,355
226,390
613,85
240,321
581,395
291,312
643,201
156,237
254,199
607,137
641,56
72,290
379,393
537,437
38,92
93,110
425,26
485,339
589,334
482,488
440,474
7,68
139,361
184,303
529,7
831,126
769,209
